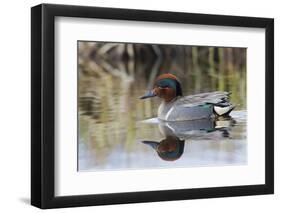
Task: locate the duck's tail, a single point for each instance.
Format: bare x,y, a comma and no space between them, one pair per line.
223,110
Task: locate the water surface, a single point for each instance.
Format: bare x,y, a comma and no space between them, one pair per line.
205,147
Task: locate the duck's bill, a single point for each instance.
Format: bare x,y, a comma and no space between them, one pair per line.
149,94
152,144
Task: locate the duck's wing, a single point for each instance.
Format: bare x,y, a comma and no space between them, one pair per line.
216,98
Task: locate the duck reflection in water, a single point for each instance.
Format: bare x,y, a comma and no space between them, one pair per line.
169,149
176,134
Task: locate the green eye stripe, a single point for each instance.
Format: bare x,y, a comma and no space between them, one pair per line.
166,83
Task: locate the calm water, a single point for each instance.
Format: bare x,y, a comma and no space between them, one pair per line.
117,130
205,144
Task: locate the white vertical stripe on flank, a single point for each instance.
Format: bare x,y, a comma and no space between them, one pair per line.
169,112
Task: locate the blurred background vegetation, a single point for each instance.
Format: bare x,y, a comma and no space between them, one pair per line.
113,75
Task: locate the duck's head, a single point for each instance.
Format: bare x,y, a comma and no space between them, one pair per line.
166,86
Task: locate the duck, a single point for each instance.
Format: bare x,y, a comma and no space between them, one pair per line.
176,107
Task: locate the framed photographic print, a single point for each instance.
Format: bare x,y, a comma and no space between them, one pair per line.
140,106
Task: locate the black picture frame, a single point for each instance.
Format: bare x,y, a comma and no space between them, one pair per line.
43,102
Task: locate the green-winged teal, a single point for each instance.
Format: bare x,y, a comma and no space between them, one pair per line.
176,107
